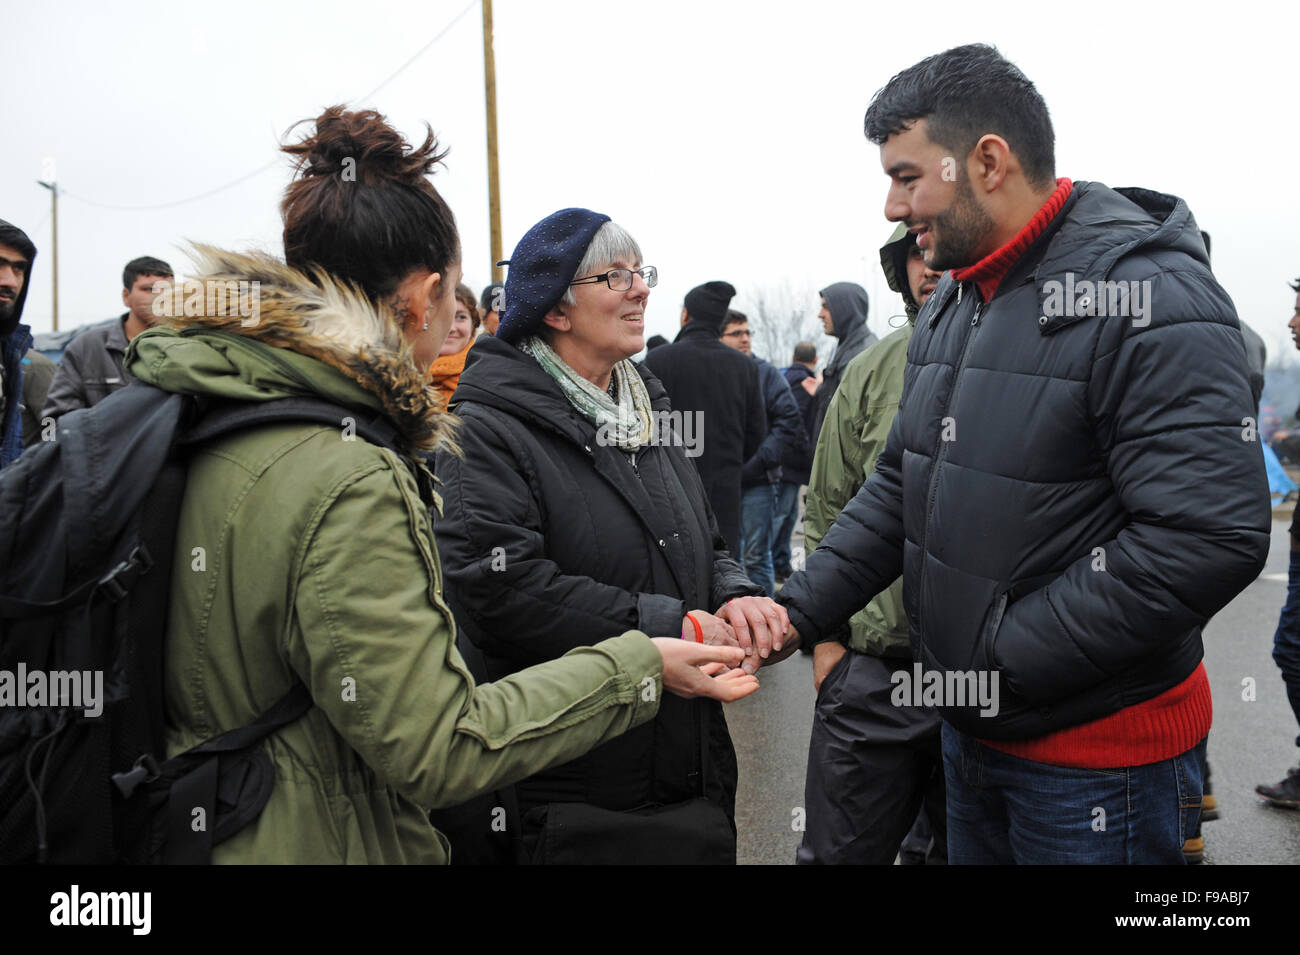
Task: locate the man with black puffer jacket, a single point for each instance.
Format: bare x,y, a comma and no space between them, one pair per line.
1069,489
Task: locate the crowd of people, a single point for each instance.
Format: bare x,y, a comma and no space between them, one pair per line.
537,600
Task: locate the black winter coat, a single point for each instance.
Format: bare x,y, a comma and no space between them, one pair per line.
1098,496
796,466
703,375
551,541
785,428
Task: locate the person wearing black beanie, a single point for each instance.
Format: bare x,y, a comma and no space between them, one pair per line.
720,386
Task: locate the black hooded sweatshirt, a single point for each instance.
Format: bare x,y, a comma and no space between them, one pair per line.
15,340
847,302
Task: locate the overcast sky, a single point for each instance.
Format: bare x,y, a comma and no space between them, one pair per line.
727,137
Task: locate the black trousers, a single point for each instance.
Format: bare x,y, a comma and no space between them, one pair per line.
871,767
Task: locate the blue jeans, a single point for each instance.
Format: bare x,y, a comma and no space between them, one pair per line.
756,505
1003,810
784,518
1286,640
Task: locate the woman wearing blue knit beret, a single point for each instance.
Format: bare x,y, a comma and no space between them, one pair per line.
577,513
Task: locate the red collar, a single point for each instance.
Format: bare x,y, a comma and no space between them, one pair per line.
989,271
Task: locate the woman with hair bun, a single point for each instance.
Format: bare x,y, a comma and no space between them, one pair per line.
319,559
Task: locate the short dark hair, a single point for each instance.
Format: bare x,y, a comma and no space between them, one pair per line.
734,317
1296,286
490,300
963,94
145,265
805,352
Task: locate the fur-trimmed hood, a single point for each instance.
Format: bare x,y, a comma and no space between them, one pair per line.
295,325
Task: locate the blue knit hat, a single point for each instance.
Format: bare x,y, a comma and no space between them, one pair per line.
544,263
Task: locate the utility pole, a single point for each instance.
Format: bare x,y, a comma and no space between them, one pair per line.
494,179
49,183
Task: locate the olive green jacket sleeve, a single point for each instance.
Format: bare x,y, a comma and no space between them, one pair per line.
852,437
375,643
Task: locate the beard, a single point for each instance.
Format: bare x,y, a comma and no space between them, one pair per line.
958,231
8,317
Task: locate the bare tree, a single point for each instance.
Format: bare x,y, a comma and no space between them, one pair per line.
781,316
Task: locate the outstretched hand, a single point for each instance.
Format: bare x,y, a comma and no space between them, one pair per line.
695,670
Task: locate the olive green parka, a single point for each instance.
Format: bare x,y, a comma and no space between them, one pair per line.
304,552
852,437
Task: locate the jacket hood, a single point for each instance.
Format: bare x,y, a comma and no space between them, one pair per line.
16,238
1135,218
893,261
848,304
500,376
309,335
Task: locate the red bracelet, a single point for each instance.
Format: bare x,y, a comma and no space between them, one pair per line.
699,633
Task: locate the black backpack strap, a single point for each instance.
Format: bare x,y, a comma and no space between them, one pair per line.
197,787
221,417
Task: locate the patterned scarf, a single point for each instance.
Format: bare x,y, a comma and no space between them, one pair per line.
625,423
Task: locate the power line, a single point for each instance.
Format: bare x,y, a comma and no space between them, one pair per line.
274,162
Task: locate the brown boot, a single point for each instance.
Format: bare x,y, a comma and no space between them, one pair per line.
1194,850
1209,808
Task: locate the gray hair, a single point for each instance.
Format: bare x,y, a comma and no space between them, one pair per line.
610,242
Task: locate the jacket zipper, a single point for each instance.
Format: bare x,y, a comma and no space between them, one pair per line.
941,450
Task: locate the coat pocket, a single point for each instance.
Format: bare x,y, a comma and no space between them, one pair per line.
989,633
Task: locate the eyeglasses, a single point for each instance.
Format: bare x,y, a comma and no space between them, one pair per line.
620,280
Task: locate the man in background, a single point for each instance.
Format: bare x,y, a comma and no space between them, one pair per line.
92,364
17,253
801,376
704,377
844,316
762,472
872,766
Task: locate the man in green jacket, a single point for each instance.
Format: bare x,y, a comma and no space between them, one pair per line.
303,552
871,764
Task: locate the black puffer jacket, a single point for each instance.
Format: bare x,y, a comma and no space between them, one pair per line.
703,376
551,541
1100,496
796,465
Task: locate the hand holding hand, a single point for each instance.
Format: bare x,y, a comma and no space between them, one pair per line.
688,665
761,626
716,631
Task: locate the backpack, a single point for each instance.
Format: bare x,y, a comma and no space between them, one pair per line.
85,579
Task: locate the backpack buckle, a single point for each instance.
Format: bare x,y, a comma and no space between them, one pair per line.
139,562
145,770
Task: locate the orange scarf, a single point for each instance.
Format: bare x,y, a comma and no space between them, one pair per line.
445,371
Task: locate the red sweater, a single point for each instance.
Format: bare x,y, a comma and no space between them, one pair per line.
1147,732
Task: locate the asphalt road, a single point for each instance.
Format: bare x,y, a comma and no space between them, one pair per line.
1253,740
